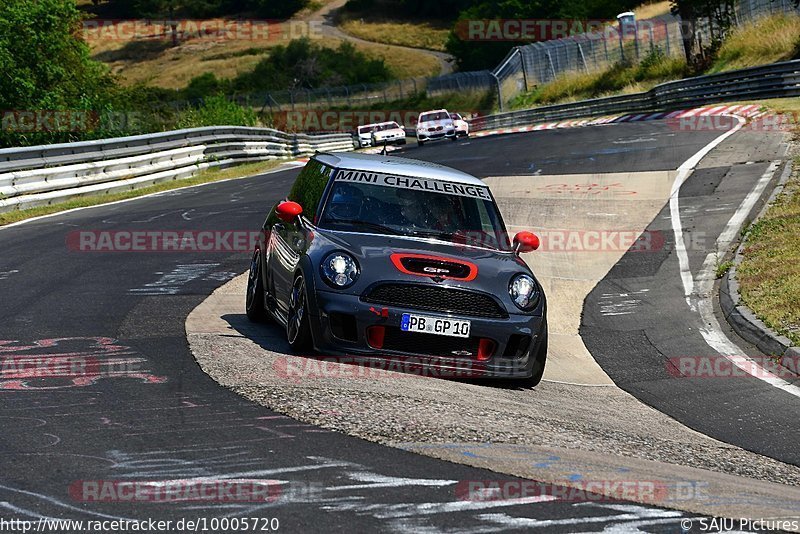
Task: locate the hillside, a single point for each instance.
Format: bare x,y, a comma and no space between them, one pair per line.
143,59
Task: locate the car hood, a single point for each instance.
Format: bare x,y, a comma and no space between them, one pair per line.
373,253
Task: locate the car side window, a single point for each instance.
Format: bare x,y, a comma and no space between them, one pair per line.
309,186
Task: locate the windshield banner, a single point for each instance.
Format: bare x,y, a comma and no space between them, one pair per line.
419,184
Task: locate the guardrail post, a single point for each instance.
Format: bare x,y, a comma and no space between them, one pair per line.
499,92
550,61
583,58
524,69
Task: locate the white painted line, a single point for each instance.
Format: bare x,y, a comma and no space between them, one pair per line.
684,171
698,294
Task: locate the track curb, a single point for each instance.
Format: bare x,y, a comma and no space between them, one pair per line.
741,318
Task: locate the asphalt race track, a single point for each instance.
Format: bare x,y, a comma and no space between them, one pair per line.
140,409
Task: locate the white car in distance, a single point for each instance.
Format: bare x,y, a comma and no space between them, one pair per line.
433,125
462,126
365,135
389,133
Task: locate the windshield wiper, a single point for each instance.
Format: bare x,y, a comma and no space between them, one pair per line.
450,236
366,224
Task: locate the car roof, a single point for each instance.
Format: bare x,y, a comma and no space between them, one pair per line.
395,165
434,111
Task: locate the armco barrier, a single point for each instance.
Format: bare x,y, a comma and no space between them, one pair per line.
42,175
769,81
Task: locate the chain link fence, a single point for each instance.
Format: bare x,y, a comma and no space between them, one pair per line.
527,66
365,96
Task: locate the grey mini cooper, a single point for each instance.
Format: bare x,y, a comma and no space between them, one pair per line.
384,259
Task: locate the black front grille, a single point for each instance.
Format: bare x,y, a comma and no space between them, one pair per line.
440,299
421,344
435,268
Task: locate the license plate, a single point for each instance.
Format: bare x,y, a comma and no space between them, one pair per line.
434,325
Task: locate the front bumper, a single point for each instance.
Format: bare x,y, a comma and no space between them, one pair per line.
391,141
506,361
432,136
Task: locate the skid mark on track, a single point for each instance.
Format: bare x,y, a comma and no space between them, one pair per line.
62,363
173,282
621,303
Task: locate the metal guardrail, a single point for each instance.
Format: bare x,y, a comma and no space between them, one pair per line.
42,175
769,81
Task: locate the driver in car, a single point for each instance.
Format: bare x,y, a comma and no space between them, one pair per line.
346,202
433,212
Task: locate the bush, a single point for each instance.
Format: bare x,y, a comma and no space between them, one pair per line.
303,64
217,111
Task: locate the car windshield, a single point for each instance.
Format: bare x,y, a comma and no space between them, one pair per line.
387,126
366,129
470,218
455,116
439,116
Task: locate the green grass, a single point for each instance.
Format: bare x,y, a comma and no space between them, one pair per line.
413,35
654,68
769,275
767,40
723,268
207,176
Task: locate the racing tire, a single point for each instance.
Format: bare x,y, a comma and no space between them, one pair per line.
420,143
539,361
254,300
298,327
454,138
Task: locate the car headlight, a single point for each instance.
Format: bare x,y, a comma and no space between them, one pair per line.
524,292
339,270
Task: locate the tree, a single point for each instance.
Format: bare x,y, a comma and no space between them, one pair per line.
43,62
486,54
700,47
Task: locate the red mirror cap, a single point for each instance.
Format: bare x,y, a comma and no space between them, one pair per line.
288,211
526,241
